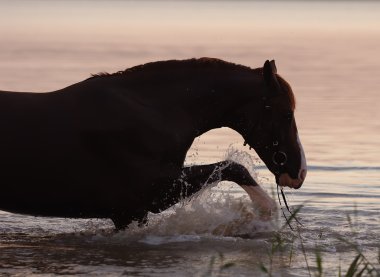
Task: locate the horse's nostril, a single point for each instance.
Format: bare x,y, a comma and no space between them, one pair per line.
299,185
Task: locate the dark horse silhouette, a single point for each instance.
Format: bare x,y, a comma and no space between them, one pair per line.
114,145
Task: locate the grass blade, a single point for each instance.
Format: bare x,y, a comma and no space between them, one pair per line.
319,263
362,271
353,267
263,268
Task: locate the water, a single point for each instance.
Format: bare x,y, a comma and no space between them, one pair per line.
327,51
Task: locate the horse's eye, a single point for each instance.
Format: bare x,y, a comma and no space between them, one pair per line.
268,110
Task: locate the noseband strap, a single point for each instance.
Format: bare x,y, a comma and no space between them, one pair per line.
279,158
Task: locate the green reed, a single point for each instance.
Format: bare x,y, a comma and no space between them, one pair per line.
217,266
283,247
360,265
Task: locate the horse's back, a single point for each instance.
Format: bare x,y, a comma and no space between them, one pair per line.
82,151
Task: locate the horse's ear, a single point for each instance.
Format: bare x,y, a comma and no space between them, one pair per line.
269,72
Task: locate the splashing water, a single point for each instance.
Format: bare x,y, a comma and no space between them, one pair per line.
222,209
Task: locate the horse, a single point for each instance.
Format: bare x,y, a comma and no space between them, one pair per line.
114,145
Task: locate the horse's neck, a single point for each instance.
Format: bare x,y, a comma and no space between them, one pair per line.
220,105
209,97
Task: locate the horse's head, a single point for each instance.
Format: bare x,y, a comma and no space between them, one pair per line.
272,130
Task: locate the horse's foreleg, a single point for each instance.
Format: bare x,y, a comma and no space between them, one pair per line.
194,178
199,176
237,173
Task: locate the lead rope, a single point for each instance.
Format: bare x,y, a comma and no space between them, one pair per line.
292,215
279,164
282,210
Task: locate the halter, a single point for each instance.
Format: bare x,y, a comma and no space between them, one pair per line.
279,158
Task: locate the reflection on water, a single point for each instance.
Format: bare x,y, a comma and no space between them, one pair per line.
327,51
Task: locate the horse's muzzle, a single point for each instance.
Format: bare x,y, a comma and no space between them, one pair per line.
284,180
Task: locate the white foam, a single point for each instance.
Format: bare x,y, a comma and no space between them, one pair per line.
243,158
214,213
222,210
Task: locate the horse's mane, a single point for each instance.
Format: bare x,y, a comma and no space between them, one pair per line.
162,65
210,62
288,90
